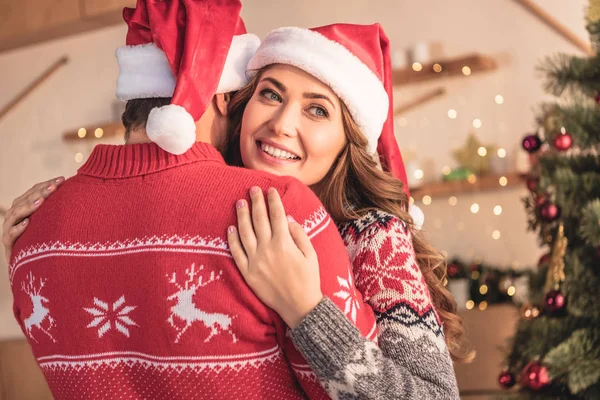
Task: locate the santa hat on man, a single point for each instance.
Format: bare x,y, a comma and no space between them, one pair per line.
354,61
188,50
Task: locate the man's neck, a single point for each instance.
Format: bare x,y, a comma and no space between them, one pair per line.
138,136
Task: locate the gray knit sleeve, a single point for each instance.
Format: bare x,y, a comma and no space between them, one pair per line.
351,367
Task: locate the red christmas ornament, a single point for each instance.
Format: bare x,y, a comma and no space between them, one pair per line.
453,270
474,267
532,184
563,141
544,259
535,376
532,143
598,98
549,211
541,199
506,380
554,301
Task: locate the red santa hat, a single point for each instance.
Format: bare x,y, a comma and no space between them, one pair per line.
354,61
187,50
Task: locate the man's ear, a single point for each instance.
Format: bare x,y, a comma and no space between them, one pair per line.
222,102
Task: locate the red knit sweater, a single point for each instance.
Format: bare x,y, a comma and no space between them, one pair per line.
125,288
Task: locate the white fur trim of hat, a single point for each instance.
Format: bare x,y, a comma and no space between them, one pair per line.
144,71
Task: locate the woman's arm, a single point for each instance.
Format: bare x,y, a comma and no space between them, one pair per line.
349,366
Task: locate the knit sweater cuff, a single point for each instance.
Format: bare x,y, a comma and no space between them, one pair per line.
326,338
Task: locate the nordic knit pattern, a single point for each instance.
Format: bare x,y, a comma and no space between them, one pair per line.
125,288
412,360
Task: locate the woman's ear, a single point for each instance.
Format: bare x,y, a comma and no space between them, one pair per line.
222,101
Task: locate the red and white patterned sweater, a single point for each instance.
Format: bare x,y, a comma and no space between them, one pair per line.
125,288
412,361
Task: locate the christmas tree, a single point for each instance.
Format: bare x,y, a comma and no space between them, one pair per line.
555,352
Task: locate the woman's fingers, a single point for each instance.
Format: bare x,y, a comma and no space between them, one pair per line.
260,218
237,251
279,224
300,238
18,213
10,235
40,190
245,228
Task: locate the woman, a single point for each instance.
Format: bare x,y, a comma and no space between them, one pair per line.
319,118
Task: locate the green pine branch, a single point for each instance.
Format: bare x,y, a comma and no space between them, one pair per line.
581,118
590,223
565,72
577,359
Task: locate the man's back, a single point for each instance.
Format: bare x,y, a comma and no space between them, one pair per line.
124,284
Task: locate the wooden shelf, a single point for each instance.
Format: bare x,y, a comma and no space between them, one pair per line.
451,67
453,188
421,100
109,130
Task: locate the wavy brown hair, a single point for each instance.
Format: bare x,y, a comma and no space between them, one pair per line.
354,186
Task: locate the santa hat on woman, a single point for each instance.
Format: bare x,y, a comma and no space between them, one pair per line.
354,61
188,50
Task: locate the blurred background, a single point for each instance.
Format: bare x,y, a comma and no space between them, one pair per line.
466,89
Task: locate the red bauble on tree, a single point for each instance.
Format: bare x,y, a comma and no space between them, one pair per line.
507,380
532,184
544,259
532,143
554,301
535,376
598,98
549,211
541,199
563,141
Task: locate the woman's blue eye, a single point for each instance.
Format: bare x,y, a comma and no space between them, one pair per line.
270,95
319,112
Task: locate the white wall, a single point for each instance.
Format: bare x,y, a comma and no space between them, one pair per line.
82,93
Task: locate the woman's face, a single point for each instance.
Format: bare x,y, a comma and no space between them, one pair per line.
292,125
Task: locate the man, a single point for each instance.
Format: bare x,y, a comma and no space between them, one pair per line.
123,282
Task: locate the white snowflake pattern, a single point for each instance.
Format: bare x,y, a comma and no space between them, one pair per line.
347,293
117,315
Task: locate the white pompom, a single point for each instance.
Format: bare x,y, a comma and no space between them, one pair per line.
417,215
172,128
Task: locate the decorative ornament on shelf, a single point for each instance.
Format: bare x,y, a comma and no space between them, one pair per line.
453,270
563,141
549,211
458,174
506,380
535,376
474,156
532,143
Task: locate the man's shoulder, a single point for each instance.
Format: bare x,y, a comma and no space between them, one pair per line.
290,188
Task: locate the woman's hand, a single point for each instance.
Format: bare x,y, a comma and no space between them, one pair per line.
276,257
16,221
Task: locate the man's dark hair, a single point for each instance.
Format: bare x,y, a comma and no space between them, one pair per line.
137,111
